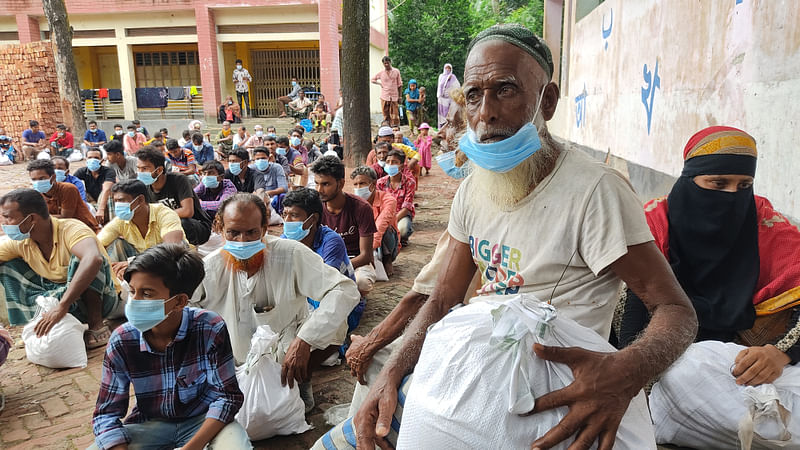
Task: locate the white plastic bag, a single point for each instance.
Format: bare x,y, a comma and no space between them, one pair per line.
62,347
477,372
5,161
75,156
697,403
269,409
380,271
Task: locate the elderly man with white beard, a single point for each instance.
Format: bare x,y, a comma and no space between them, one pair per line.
535,217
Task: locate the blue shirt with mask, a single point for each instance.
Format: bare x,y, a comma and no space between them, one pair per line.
98,136
202,153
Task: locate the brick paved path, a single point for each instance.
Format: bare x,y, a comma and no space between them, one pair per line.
52,409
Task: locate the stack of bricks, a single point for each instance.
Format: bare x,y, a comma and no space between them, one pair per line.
29,88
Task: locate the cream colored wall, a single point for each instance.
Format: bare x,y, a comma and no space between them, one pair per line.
375,65
377,15
266,15
8,23
719,63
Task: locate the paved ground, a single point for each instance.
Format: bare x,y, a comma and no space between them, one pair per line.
52,409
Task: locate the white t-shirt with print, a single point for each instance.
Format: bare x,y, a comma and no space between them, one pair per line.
582,210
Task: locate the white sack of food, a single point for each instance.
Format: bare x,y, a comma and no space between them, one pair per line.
62,347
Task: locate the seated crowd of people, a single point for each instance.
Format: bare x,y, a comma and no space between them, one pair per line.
705,263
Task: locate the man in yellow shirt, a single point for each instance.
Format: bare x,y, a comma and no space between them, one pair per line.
138,224
53,257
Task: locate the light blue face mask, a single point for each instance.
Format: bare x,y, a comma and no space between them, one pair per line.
295,231
281,151
363,192
61,175
92,164
295,141
235,168
146,178
210,181
145,314
243,250
447,161
14,233
294,83
391,169
42,186
123,211
262,164
502,156
271,134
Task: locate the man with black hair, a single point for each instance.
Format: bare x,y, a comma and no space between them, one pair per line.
61,166
178,356
175,191
348,215
213,187
139,224
257,279
386,241
98,180
62,141
94,137
286,99
124,166
133,140
119,133
272,179
63,199
140,128
67,260
277,152
33,140
203,151
239,171
241,80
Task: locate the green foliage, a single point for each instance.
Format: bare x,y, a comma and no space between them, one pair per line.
426,34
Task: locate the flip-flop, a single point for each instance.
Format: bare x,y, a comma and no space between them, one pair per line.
96,338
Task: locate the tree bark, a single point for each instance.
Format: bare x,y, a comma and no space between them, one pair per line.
69,90
355,81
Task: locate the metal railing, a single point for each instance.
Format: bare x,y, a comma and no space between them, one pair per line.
191,106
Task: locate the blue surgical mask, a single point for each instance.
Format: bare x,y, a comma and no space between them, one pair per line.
294,83
362,192
391,169
295,141
131,133
259,133
502,156
43,186
295,231
447,163
281,151
146,178
272,135
235,168
243,250
61,175
262,164
14,233
382,163
92,164
145,314
93,131
123,211
210,181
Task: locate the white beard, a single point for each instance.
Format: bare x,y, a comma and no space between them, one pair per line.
504,190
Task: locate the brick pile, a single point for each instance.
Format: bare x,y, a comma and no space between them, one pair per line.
28,88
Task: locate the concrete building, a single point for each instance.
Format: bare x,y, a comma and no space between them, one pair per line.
638,79
122,45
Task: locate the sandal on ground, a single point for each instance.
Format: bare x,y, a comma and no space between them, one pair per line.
96,338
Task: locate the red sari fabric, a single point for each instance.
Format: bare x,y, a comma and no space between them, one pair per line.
778,246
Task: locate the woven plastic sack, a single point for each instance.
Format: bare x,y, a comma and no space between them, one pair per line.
698,404
62,347
269,409
477,372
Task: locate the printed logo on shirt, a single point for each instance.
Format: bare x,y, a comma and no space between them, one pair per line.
499,266
170,202
350,231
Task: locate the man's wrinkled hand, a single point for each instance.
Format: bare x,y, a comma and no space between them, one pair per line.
100,216
295,363
119,269
759,365
597,399
359,356
374,419
49,319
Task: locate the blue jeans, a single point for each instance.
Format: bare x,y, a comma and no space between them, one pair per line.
160,434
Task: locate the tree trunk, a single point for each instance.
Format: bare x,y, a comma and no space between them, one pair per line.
355,81
61,39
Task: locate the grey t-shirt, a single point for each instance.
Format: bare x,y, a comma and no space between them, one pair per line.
127,173
272,178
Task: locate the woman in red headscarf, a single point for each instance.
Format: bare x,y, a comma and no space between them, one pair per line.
734,255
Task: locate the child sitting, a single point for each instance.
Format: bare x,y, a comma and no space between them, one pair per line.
178,360
317,117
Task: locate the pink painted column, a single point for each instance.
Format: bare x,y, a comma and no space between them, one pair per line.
28,29
209,59
329,50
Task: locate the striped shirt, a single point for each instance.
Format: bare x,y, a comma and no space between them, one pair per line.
194,375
